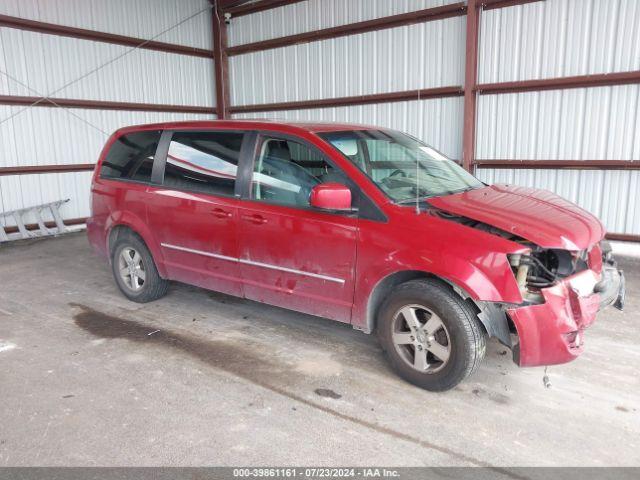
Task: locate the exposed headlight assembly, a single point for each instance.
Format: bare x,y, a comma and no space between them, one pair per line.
542,268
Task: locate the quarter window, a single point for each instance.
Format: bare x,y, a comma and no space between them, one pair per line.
131,156
286,171
203,161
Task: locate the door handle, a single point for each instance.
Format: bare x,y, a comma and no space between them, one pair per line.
220,213
255,218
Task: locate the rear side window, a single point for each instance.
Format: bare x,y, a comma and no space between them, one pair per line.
131,156
203,161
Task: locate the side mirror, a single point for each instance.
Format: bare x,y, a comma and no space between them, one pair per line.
330,196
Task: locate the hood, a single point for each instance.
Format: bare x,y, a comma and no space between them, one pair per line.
539,216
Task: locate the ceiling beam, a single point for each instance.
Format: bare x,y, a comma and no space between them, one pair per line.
408,95
249,7
492,4
38,169
101,104
560,164
579,81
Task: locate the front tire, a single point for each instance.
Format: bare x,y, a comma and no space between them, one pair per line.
432,337
135,271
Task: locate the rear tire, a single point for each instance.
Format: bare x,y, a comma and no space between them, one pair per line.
432,337
135,271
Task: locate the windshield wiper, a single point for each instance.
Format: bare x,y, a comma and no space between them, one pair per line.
412,201
464,189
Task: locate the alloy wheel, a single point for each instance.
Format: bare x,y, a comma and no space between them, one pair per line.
421,338
131,268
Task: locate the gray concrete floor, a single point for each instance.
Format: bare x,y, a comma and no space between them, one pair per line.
224,381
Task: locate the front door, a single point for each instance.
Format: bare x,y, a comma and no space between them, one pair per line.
290,254
193,209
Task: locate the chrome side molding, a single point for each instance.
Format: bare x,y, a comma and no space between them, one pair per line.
255,264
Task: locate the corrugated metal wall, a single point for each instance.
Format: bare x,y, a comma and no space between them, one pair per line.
317,14
46,63
135,18
424,55
44,136
376,62
437,121
548,39
417,56
558,38
539,40
40,64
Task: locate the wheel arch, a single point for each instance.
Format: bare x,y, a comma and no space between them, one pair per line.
118,229
385,286
115,232
494,321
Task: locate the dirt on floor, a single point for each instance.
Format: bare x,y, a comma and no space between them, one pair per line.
200,378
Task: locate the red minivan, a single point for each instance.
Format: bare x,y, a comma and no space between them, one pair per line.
362,225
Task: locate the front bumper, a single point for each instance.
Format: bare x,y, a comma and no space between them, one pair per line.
552,332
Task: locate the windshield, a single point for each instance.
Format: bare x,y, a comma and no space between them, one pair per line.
403,167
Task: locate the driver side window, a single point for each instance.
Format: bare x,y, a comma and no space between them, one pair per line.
286,171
